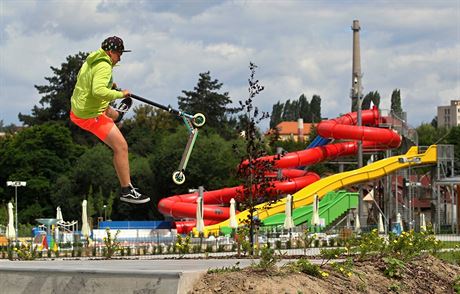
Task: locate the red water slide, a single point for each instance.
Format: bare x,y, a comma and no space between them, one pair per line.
344,127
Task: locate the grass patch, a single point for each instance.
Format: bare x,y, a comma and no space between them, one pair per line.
450,244
452,257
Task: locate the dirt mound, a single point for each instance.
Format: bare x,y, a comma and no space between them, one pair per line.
426,274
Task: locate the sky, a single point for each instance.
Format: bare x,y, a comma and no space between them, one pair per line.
300,47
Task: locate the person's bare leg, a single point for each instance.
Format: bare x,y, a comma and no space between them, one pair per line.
112,113
117,142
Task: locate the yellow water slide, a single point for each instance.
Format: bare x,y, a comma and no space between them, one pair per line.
369,172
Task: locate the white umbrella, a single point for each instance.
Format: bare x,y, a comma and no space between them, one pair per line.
59,215
288,221
233,219
399,221
422,223
199,215
381,227
85,230
315,215
10,231
357,223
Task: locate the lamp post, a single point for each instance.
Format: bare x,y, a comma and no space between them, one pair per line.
105,212
16,184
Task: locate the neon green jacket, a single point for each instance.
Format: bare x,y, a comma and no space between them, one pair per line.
93,90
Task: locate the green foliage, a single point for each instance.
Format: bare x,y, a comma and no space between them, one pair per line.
256,188
315,109
394,287
182,245
306,267
276,115
288,145
394,267
344,268
111,243
452,255
307,239
242,239
38,155
456,285
206,99
453,138
373,97
234,268
56,95
370,244
4,213
410,244
396,103
328,254
25,252
146,128
310,112
212,162
428,135
268,259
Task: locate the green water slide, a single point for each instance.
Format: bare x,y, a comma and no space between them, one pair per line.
332,205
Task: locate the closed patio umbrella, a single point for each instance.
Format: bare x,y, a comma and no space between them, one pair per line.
10,231
288,221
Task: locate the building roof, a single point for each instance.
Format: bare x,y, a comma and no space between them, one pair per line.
290,127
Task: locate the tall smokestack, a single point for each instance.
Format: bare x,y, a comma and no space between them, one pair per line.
356,69
356,102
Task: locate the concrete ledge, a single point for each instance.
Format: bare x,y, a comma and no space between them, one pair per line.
14,281
187,280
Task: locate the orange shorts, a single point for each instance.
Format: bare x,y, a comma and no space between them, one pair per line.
99,126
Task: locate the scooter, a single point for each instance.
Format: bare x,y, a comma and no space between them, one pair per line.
192,122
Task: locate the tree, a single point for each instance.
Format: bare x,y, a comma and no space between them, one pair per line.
144,129
205,99
38,155
434,122
428,135
276,116
304,107
295,109
371,97
453,138
291,111
315,109
257,187
396,103
55,102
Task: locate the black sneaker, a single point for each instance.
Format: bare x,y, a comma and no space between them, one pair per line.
132,196
122,108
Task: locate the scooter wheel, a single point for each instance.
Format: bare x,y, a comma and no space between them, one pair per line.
178,177
199,120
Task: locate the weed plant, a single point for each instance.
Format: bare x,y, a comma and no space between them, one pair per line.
111,243
268,259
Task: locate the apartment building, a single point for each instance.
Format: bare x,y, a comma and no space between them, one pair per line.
449,116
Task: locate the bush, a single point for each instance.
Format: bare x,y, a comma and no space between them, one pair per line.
268,259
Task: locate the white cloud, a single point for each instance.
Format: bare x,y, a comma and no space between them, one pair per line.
299,46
